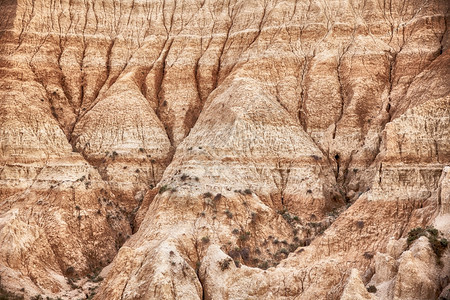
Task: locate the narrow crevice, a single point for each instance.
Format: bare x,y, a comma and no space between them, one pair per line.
25,24
83,55
302,111
195,110
392,58
222,51
160,78
260,26
203,287
108,67
441,39
82,79
62,81
340,79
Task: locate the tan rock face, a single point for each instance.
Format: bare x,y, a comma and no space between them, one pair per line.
414,275
355,288
250,149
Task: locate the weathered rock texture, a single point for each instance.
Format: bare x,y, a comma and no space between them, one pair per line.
250,149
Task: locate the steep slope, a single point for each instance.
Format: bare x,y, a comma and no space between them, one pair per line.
251,149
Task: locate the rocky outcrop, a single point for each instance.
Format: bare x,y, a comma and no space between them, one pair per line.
416,274
355,288
223,149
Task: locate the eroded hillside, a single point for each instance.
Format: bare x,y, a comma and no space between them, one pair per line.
237,149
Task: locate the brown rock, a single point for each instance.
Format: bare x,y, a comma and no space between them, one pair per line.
255,149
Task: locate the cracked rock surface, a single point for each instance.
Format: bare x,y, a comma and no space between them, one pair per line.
224,149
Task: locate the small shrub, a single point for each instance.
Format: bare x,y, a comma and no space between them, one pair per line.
284,251
163,189
287,217
218,197
205,240
264,265
207,195
247,192
70,271
372,289
97,279
433,231
368,255
235,254
184,177
235,231
245,236
438,245
253,217
293,247
360,224
225,264
282,211
229,214
313,224
414,234
245,253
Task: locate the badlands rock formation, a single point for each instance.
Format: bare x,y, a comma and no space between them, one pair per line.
225,149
